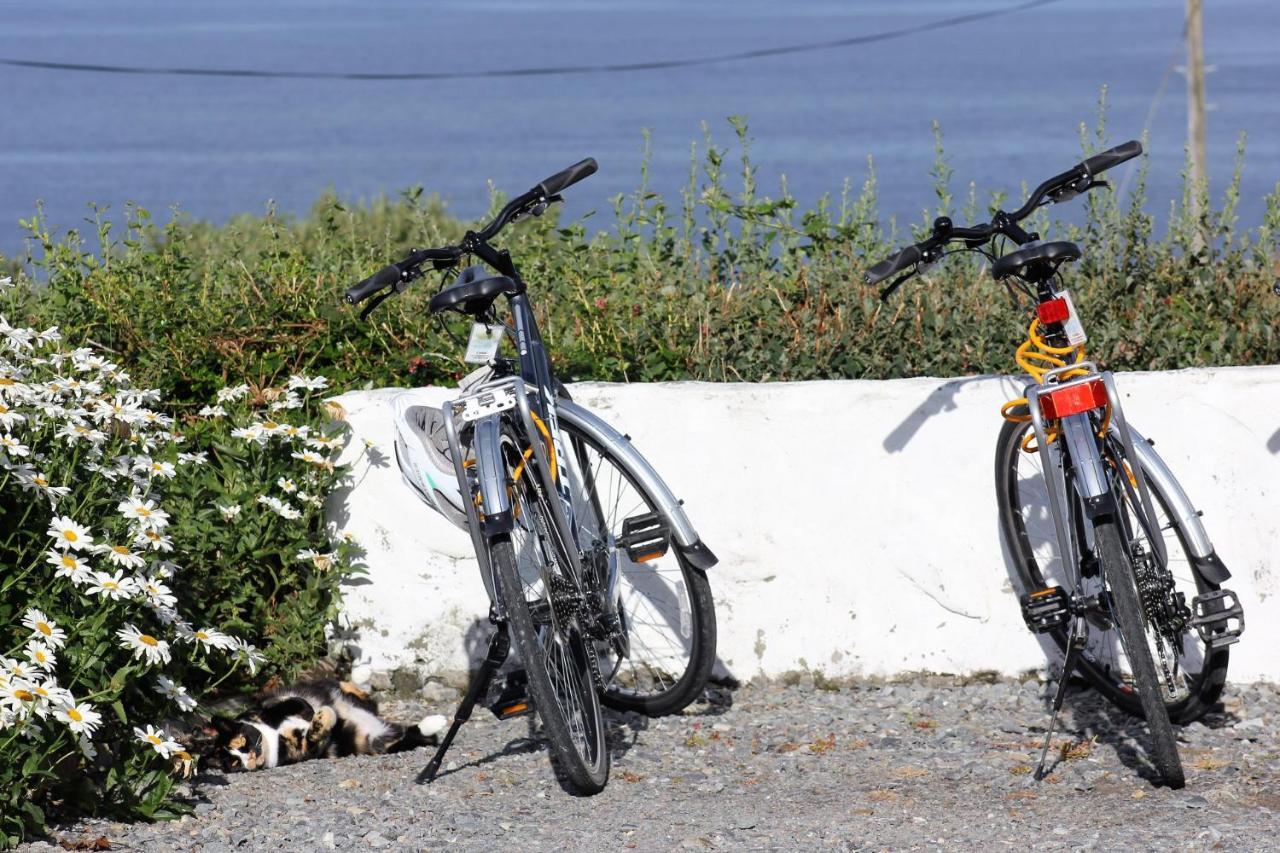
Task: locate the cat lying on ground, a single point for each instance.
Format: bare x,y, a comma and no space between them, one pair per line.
324,719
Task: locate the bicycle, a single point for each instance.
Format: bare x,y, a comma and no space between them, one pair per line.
590,563
1108,571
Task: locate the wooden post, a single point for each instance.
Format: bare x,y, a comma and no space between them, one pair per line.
1195,110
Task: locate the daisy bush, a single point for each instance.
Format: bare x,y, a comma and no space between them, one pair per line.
145,566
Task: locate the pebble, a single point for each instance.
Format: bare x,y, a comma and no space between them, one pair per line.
933,763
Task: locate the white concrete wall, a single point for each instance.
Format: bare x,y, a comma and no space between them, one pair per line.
855,521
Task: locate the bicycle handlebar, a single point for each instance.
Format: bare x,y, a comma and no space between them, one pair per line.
534,201
566,178
1061,187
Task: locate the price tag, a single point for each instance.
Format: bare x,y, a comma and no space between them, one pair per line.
483,344
1072,326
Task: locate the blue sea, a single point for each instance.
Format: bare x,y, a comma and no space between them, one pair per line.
1010,93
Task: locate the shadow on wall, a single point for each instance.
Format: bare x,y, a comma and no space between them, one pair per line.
1273,444
940,399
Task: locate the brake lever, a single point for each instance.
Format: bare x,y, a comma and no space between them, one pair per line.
896,283
376,301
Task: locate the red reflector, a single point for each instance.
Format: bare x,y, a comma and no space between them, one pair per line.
1053,311
1073,400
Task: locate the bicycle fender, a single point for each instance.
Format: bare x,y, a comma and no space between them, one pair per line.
1186,518
495,503
1086,463
686,539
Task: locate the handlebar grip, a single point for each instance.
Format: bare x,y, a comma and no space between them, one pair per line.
889,266
1099,163
384,277
567,178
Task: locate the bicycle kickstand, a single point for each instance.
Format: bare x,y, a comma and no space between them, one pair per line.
499,647
1075,642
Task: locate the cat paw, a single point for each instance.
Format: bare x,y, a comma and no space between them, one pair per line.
433,725
322,723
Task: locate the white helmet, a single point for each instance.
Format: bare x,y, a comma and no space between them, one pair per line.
422,447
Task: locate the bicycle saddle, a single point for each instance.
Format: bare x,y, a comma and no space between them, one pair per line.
472,292
1054,253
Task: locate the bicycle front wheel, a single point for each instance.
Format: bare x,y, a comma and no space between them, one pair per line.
667,617
542,600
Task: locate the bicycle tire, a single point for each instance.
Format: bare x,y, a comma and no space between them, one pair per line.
1032,575
669,588
1118,569
578,739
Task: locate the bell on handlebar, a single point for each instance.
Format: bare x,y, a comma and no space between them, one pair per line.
942,226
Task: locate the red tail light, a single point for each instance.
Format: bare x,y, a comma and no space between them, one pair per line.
1073,400
1053,311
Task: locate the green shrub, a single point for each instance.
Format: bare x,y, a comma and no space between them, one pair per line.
720,285
145,562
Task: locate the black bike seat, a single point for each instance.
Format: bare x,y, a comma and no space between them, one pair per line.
472,292
1015,262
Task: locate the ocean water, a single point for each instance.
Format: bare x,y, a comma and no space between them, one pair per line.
1010,93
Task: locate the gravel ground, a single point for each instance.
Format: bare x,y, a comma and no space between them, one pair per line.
916,765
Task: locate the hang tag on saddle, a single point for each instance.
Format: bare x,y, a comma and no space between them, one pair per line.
482,346
1071,326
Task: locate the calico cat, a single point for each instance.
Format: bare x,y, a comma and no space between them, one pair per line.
323,719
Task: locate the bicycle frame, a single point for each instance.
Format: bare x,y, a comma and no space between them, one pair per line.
535,399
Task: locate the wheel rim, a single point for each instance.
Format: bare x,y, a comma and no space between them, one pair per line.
653,596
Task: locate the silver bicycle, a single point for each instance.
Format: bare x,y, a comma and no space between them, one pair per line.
592,568
1114,563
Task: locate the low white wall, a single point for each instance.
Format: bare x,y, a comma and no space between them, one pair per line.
855,521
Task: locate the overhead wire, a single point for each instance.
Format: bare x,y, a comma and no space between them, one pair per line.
540,71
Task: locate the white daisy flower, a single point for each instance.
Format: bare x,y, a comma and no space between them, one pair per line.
13,447
213,412
144,512
154,540
289,401
211,638
247,654
114,587
250,433
50,695
68,535
35,481
229,513
79,717
164,470
309,456
41,655
10,416
44,629
286,485
69,566
199,458
120,555
16,670
18,697
284,509
6,282
144,645
230,395
159,740
157,593
297,382
167,688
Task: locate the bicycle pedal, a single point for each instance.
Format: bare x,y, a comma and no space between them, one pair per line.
645,537
1213,616
1046,609
514,699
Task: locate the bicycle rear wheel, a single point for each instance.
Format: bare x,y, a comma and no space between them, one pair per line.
664,604
543,603
1196,673
1117,567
